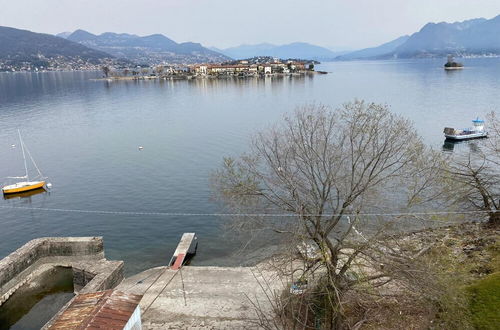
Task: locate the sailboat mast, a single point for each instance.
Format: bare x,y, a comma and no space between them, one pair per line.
24,156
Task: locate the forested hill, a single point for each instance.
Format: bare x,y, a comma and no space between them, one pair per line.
152,49
25,46
477,37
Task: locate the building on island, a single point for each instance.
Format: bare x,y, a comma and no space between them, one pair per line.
245,68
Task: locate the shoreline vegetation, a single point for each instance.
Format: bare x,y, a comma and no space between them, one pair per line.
343,269
462,261
458,261
463,293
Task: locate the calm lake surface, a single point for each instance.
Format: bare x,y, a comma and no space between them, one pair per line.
85,135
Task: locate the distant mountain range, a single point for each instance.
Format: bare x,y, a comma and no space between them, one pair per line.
26,50
374,52
294,50
22,46
152,49
472,37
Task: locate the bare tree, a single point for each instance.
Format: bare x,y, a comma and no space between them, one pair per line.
494,140
475,175
328,168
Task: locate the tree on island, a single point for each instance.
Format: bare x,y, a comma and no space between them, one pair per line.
452,64
279,69
328,168
105,70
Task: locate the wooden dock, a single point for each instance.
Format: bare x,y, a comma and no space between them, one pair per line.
186,248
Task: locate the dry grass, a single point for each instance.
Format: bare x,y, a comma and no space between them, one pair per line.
459,291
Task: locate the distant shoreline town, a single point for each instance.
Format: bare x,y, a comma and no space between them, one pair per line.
58,63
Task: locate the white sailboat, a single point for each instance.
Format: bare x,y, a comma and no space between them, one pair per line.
26,184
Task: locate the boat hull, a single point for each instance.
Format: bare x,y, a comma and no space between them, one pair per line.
22,187
461,137
25,194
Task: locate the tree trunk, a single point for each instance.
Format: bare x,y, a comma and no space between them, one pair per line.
494,219
333,302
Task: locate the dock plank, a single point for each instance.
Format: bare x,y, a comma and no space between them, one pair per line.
185,243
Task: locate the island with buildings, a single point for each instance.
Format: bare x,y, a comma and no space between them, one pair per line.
253,67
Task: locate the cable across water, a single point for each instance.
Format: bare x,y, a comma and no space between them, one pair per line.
193,214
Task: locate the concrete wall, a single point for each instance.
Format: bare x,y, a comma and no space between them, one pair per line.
105,278
84,255
28,254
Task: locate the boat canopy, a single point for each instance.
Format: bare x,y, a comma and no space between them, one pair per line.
477,120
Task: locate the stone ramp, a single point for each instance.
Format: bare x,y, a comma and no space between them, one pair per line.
156,290
200,297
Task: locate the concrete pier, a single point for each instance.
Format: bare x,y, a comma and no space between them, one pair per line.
201,297
183,297
85,255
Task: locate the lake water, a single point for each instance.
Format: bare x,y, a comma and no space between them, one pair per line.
84,135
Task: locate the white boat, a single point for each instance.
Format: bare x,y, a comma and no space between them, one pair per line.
476,132
26,184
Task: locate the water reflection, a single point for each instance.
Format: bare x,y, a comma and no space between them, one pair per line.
26,194
452,72
449,145
214,83
473,146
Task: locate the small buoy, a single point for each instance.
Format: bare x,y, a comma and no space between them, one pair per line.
49,185
12,145
141,147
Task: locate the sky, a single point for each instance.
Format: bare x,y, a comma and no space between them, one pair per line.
336,24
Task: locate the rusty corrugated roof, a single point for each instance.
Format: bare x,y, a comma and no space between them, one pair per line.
98,310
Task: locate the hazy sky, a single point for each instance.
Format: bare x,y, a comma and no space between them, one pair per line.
225,23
